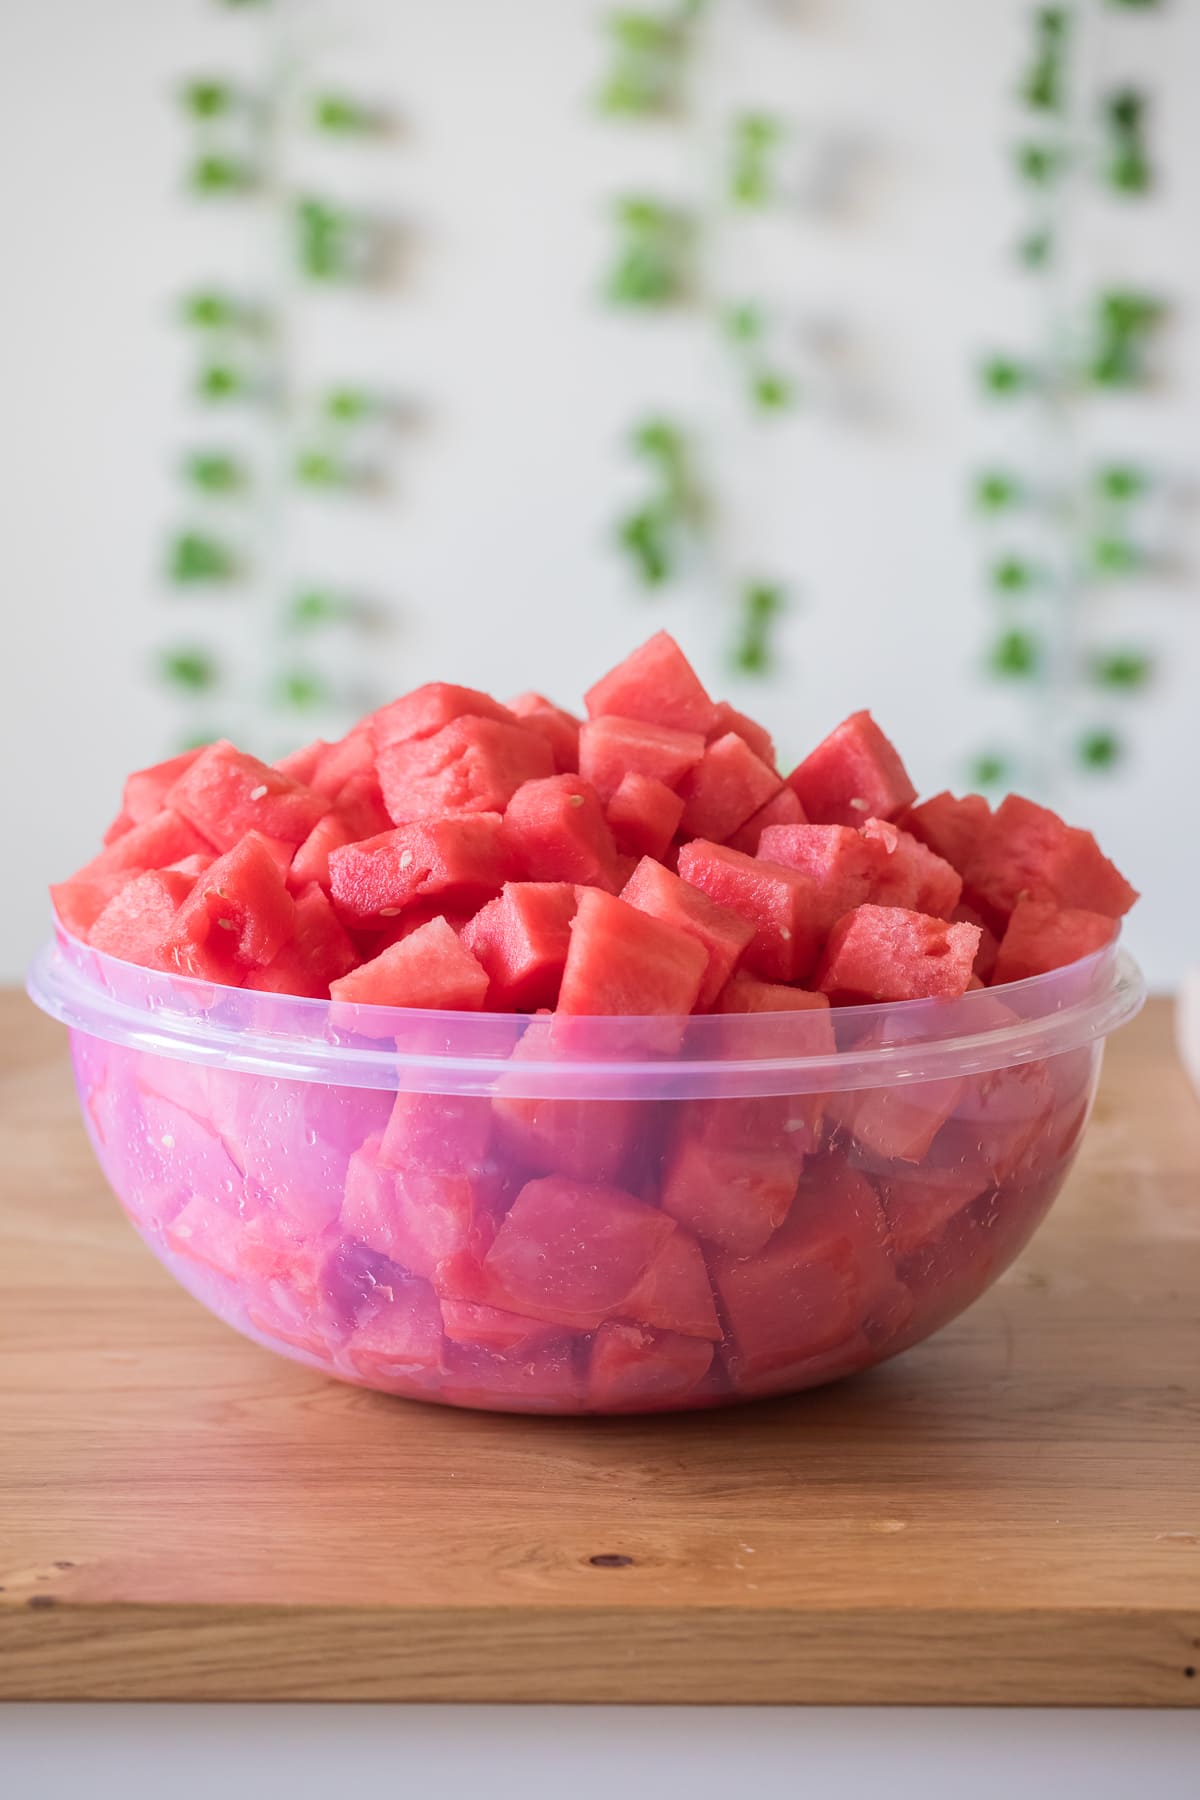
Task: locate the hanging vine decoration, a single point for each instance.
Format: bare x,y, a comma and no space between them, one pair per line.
268,439
1088,519
654,267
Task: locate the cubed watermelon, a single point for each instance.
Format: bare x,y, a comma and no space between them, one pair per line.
724,935
298,765
989,945
643,816
623,961
910,874
237,917
163,839
441,1134
888,953
360,806
430,968
854,774
556,831
429,709
400,1344
656,683
611,748
573,1253
310,861
346,760
728,718
459,862
471,765
146,790
744,993
135,922
521,940
783,809
920,1202
951,827
896,1122
842,863
79,902
413,1217
727,786
675,1293
734,1197
635,1369
559,728
780,903
542,1379
489,1328
1042,936
319,951
587,1140
225,793
1027,850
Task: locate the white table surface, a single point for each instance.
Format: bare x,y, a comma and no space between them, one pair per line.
170,1752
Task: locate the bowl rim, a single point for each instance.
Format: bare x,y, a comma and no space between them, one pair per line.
549,1055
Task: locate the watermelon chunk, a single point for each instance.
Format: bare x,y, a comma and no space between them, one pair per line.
632,1368
163,839
490,1328
989,946
1042,936
430,968
414,1217
79,902
815,1283
225,793
783,809
888,953
311,859
237,917
656,683
586,1140
843,864
401,1343
346,760
428,710
611,748
950,827
675,1293
298,765
556,831
471,765
360,806
623,962
521,940
898,1122
146,790
442,1134
572,1253
744,993
728,718
1027,850
735,1197
724,935
559,728
136,919
643,816
780,903
319,952
728,786
910,874
460,862
854,774
921,1202
542,1378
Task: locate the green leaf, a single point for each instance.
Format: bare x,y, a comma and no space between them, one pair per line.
996,490
210,311
644,33
645,276
212,174
220,381
1121,481
1129,171
1115,556
1128,669
1100,749
762,603
196,558
1128,311
317,606
208,99
645,536
990,769
1015,654
1039,164
743,322
1042,89
215,472
659,439
760,130
319,469
341,116
1125,109
348,405
192,669
1003,375
1036,249
303,689
772,392
1013,575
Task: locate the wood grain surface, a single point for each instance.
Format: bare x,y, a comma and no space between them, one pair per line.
1009,1513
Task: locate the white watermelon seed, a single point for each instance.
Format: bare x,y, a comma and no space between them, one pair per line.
258,792
576,800
406,860
389,912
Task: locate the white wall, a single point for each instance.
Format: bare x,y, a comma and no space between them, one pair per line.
494,546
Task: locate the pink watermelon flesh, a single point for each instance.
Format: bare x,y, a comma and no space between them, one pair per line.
744,993
950,827
413,1217
432,968
1042,936
521,940
898,1122
631,1367
675,1293
783,809
311,860
842,863
79,902
855,774
401,1342
319,952
643,816
163,839
555,830
349,759
136,920
910,874
360,806
471,765
225,793
780,903
985,956
735,1198
1027,851
881,953
146,789
237,917
623,962
573,1254
727,787
459,862
728,718
655,683
559,728
489,1328
429,709
442,1134
611,748
724,935
587,1140
301,764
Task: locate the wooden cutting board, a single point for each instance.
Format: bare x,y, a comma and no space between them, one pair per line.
1010,1513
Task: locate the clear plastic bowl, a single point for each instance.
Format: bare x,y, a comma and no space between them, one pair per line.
570,1215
